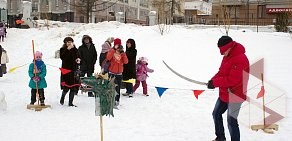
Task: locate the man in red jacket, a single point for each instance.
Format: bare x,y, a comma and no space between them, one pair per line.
232,84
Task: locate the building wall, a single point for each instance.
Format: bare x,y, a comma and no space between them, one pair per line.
246,13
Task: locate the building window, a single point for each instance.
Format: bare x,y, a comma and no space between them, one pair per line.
57,3
261,11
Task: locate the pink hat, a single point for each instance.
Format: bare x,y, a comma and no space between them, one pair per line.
117,41
143,59
38,54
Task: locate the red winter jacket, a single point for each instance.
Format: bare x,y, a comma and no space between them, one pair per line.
116,65
230,78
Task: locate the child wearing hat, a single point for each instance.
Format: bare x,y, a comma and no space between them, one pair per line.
142,70
37,72
117,58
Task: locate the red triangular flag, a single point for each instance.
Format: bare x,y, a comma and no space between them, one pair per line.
64,71
197,93
261,93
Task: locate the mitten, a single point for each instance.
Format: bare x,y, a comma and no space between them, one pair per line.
210,85
36,78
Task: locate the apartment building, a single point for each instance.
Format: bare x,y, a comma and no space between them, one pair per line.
130,11
248,12
127,11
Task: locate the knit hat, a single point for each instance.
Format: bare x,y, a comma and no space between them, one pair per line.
67,39
110,39
38,54
223,41
143,59
117,41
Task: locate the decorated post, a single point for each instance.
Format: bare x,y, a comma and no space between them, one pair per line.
104,91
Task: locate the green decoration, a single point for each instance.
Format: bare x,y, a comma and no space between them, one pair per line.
104,90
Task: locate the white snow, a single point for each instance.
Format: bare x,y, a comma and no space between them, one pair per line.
176,116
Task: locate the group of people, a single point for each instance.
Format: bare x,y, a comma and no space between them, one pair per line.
80,62
3,60
122,66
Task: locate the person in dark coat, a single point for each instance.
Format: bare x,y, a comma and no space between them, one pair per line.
88,58
232,86
70,59
130,68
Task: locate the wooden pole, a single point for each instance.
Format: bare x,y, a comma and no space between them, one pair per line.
264,109
35,73
101,128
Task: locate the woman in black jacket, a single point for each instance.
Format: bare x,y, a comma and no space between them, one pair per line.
130,68
88,58
70,61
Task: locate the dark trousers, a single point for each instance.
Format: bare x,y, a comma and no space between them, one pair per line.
33,95
88,75
232,114
129,88
118,82
3,68
72,93
1,73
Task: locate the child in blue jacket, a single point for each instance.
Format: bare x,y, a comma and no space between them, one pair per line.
37,72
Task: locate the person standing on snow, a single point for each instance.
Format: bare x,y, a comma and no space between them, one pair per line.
88,58
142,70
130,68
4,60
37,72
117,58
105,47
232,87
70,59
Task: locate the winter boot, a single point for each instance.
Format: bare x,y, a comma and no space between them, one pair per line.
42,103
116,104
90,94
63,97
125,94
217,139
71,98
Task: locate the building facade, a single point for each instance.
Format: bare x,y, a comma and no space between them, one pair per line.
248,12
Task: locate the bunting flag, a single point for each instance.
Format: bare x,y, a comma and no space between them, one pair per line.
14,68
130,81
160,90
261,93
64,71
197,93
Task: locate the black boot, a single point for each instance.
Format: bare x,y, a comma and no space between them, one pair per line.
90,94
63,97
42,96
33,96
71,98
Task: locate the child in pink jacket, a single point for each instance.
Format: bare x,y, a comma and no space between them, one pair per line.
141,74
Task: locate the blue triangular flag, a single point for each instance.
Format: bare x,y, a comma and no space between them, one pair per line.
160,90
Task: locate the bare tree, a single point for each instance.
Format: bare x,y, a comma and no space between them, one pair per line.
225,11
167,9
87,7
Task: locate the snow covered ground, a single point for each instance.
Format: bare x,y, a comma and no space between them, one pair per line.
176,116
